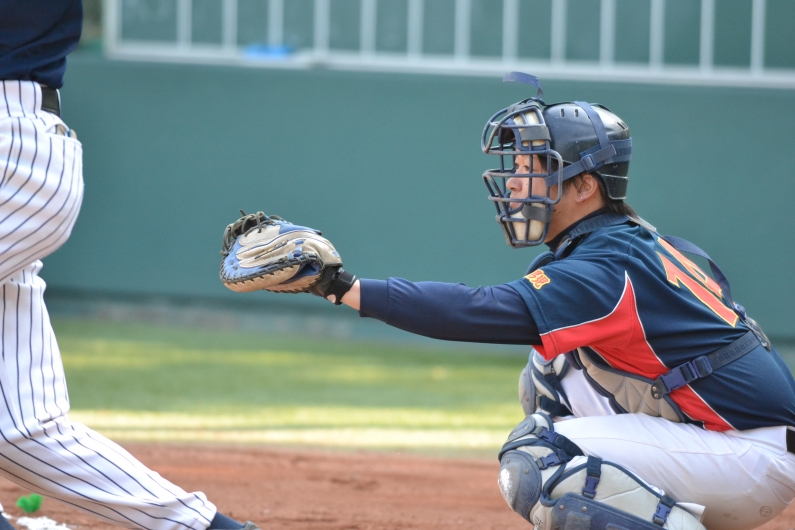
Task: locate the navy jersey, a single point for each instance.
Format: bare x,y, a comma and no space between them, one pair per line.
646,308
35,38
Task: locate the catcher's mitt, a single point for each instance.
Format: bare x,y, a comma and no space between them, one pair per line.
266,252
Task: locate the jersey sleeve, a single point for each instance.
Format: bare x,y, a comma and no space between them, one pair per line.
450,311
574,303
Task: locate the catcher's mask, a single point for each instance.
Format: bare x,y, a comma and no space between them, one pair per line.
567,139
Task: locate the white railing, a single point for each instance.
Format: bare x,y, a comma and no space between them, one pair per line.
460,61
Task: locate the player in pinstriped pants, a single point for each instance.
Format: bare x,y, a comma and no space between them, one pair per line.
41,187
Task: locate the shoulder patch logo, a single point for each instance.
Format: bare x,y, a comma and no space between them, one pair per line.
537,278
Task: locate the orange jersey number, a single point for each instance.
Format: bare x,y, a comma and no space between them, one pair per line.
705,289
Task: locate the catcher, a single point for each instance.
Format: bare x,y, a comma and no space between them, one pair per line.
651,398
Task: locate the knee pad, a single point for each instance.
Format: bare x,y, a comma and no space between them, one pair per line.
540,388
546,479
520,482
529,459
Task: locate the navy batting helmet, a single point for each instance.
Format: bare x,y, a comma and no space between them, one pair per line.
569,138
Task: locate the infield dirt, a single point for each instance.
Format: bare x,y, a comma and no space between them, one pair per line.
312,489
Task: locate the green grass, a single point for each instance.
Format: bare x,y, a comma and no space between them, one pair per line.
144,382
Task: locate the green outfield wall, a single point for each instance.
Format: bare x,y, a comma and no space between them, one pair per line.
389,167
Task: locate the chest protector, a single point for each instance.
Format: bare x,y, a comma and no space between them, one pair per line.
627,393
632,393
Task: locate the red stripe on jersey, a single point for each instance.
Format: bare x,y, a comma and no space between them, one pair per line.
620,339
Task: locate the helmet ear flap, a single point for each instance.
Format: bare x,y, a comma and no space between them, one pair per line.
615,186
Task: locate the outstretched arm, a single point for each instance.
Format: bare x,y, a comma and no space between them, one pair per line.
448,311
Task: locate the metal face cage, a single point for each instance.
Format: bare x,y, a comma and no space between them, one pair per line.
520,130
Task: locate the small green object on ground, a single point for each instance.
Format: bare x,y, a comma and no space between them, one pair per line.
30,503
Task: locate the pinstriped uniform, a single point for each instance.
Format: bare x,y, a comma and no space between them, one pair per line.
41,188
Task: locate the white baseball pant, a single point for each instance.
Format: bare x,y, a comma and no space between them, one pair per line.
743,479
41,188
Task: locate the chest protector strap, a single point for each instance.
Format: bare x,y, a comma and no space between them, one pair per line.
703,366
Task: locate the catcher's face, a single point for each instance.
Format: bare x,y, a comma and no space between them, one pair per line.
524,187
521,188
577,200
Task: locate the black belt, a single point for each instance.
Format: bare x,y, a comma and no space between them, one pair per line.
50,100
790,441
